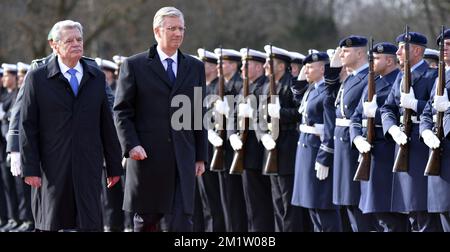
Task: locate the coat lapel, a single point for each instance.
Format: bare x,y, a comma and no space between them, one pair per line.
355,80
156,66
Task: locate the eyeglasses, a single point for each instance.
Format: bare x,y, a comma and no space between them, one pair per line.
174,28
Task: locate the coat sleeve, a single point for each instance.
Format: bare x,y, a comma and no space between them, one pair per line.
124,109
356,118
110,141
326,150
29,132
390,113
201,139
12,142
289,110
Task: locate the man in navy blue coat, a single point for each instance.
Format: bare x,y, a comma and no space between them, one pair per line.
409,192
165,151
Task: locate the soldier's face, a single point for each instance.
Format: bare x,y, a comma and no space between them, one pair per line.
253,67
447,51
348,56
170,35
314,72
229,67
379,62
210,68
295,69
9,80
70,46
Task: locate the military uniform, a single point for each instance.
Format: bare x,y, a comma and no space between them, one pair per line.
409,189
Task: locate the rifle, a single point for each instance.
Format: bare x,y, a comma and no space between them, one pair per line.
237,166
433,167
363,171
217,161
271,162
402,158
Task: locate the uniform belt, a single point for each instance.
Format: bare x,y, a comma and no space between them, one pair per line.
342,122
364,124
317,129
414,119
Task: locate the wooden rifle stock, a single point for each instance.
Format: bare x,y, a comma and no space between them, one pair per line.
433,167
401,162
271,162
237,166
363,170
218,158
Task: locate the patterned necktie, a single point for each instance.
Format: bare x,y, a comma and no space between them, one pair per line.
73,80
169,71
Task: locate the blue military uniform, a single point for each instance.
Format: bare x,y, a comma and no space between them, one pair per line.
316,145
439,186
409,189
346,192
375,195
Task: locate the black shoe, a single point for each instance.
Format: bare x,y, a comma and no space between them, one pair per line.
12,224
27,226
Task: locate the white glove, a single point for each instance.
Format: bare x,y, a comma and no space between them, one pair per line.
399,137
408,100
214,139
441,103
235,142
302,75
370,108
274,109
268,142
2,113
321,171
361,144
245,110
430,139
222,107
336,60
16,168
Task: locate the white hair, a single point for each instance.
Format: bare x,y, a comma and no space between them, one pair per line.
63,25
166,12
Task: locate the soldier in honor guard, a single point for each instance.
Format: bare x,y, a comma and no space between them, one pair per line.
285,110
231,191
346,192
22,70
296,63
439,184
109,68
409,191
313,184
209,187
375,195
9,87
256,186
431,56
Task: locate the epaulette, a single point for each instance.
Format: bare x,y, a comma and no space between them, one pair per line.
38,62
88,58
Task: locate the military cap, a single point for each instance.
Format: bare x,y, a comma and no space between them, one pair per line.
385,48
316,57
9,68
106,64
278,53
228,54
207,56
446,36
22,67
254,55
296,57
353,41
118,59
431,54
415,38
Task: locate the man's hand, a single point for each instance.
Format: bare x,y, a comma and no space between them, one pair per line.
199,168
214,138
245,110
302,75
336,60
111,181
268,142
235,142
430,139
361,144
408,100
370,108
321,171
222,107
138,153
33,181
399,137
274,109
441,103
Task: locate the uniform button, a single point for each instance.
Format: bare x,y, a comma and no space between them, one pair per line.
306,115
304,145
340,138
334,138
346,106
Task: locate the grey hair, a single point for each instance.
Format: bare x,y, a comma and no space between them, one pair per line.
166,12
63,25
